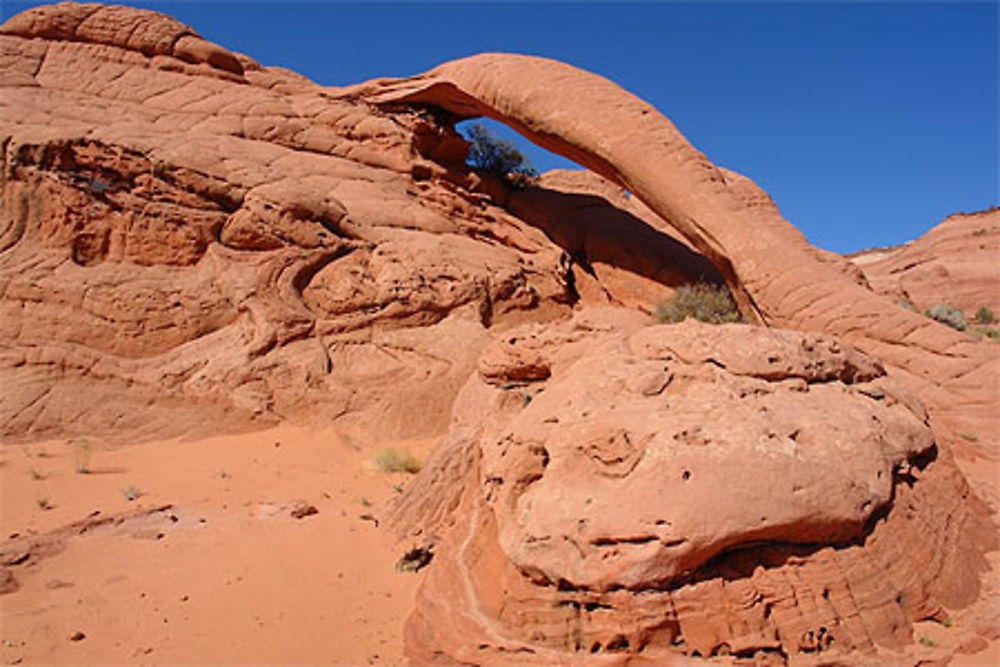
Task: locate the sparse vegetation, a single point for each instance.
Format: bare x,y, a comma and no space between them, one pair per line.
501,158
415,559
984,316
971,437
43,503
349,441
132,493
945,314
38,475
83,449
704,302
906,304
927,641
992,334
392,460
365,502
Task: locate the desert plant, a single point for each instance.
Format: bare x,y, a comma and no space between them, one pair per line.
132,493
83,449
927,641
415,559
992,334
38,475
43,503
907,304
703,301
392,460
984,316
501,158
949,315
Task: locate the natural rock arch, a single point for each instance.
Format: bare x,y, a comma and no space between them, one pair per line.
778,278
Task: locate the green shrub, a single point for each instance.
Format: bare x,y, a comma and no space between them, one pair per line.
946,314
984,316
704,302
992,334
391,460
501,158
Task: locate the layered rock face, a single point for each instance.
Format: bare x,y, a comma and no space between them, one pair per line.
186,233
685,489
954,263
193,242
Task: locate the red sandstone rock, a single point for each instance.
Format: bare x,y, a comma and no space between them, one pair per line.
954,263
225,239
190,241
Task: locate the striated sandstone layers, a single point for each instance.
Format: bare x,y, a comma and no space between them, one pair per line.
685,490
191,242
954,263
779,280
186,234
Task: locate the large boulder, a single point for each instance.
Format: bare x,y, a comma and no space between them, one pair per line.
683,490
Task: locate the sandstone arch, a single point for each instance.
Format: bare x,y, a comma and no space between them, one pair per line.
777,276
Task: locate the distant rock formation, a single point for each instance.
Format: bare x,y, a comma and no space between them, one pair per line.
191,242
954,263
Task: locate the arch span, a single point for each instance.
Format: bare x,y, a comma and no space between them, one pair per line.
777,276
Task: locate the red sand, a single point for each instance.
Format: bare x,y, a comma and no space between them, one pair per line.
235,579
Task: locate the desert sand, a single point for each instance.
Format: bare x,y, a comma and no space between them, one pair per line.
207,565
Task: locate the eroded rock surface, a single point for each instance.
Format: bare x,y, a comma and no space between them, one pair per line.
686,490
954,263
190,242
194,242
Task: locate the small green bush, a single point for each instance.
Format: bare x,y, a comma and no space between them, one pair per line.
984,316
501,158
949,315
704,302
392,460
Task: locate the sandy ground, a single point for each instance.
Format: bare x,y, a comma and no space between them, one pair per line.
206,564
225,574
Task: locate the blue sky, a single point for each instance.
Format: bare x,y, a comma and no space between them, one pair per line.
867,122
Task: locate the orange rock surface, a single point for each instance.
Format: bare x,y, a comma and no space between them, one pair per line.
954,263
193,244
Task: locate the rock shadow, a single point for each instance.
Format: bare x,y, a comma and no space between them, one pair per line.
592,231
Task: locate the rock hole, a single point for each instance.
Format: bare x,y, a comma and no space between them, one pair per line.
596,647
618,643
686,475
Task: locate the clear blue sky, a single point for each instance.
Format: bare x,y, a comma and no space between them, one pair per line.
867,122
